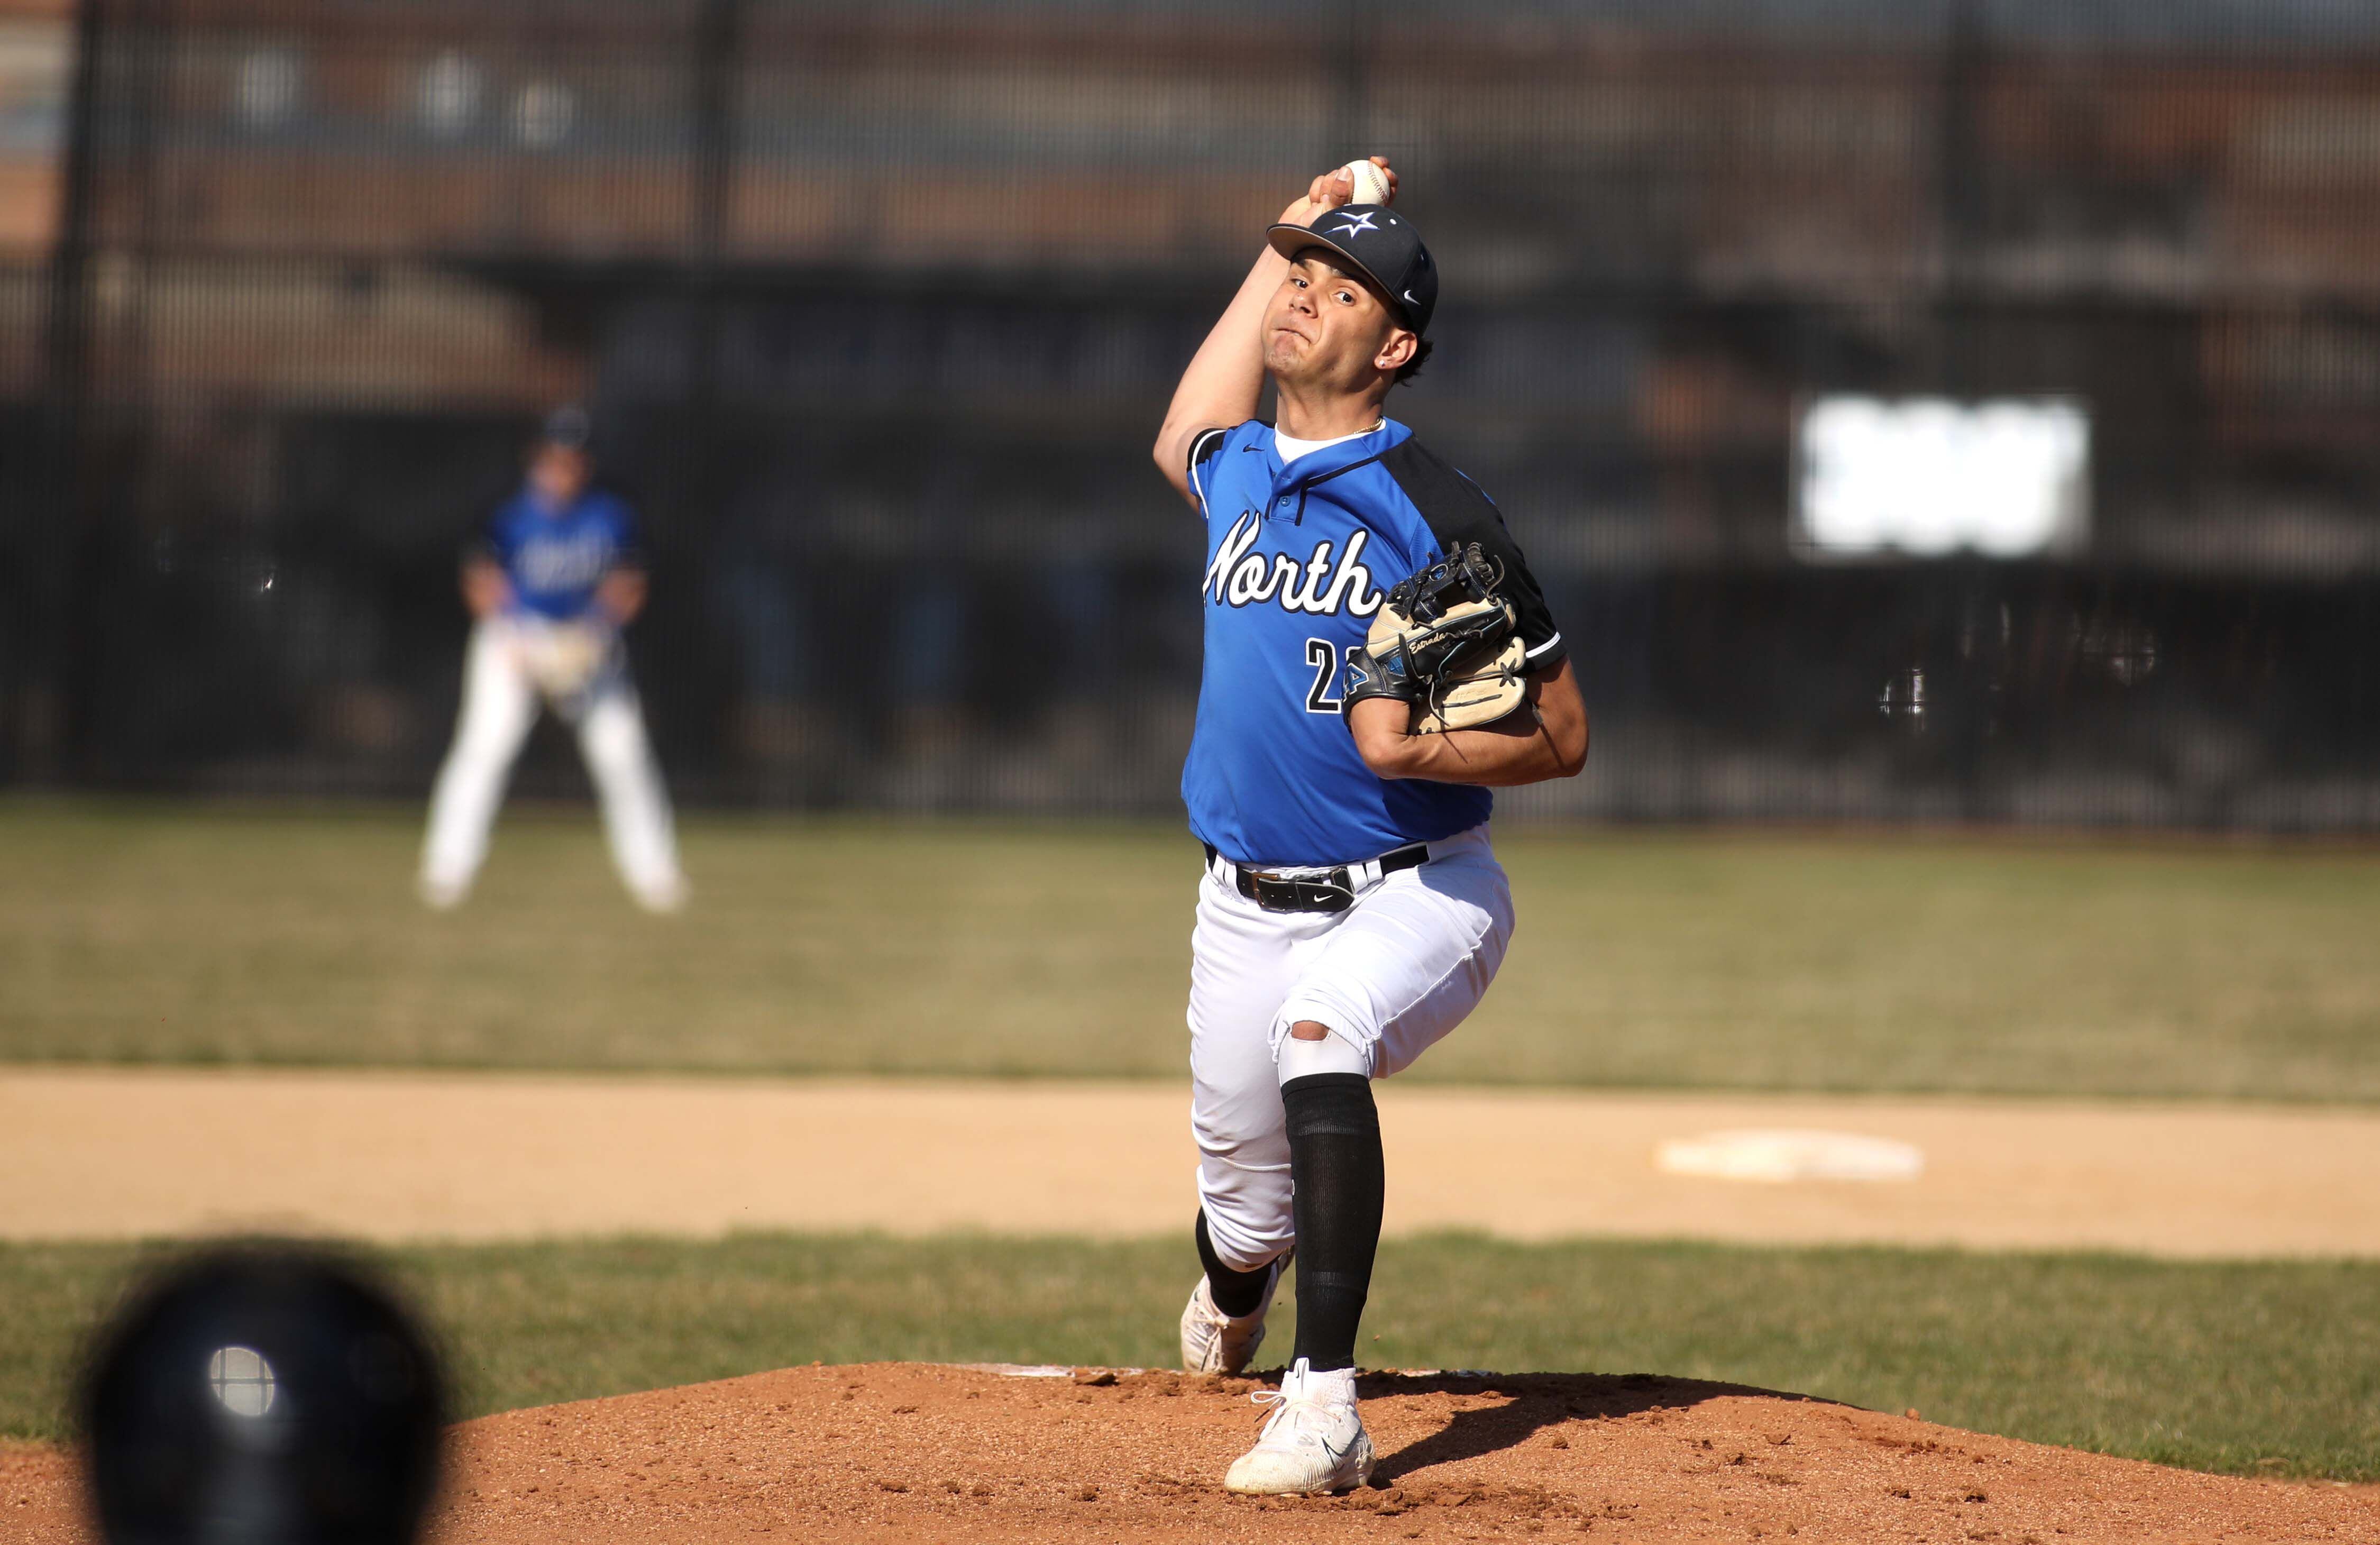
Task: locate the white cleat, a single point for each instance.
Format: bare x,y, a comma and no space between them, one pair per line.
1314,1442
1213,1342
442,895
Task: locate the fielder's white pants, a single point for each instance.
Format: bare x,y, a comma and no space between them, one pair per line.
1392,975
500,705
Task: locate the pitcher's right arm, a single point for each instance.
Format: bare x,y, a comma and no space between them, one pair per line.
1225,380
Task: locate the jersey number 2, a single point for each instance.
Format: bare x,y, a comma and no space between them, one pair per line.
1323,696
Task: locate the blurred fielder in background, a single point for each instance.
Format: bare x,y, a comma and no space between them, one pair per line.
555,575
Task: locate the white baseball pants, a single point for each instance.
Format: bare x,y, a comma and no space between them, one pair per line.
1390,975
500,705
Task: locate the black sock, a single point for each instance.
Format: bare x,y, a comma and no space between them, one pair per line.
1237,1293
1334,1159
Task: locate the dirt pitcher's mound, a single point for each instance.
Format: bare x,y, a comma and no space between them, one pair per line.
905,1451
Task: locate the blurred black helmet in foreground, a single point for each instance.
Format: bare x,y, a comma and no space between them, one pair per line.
262,1395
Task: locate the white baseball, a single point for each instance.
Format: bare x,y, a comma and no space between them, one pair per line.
1371,183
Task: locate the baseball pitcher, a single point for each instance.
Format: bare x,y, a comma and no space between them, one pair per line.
554,579
1378,656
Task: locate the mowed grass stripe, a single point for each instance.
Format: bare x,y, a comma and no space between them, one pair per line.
2261,1369
147,933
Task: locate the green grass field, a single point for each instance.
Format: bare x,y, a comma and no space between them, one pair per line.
190,934
140,933
2262,1368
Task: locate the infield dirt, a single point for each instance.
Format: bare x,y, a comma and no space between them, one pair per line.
129,1152
916,1452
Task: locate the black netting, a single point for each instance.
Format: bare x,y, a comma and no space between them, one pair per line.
876,308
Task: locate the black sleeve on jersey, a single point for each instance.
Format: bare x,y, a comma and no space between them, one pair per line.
1458,512
1202,451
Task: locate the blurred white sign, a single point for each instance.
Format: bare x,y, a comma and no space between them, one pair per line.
447,95
1927,476
266,91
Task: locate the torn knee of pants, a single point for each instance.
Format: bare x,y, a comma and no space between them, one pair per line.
1335,1052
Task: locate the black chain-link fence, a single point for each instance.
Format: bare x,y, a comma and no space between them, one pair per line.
876,308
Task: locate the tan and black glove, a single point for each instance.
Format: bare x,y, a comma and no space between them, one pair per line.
1446,644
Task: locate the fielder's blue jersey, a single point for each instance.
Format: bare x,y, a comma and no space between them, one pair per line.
1298,559
554,558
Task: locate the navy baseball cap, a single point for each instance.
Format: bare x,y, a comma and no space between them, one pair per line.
1384,247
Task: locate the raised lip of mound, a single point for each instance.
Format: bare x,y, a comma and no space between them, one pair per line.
515,1449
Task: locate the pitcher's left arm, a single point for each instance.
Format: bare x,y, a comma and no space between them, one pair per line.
1545,738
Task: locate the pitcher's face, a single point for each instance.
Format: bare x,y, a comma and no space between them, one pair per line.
1326,326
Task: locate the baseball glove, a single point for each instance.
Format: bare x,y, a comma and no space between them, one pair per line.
565,658
1445,643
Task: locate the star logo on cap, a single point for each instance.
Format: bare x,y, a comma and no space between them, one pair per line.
1355,223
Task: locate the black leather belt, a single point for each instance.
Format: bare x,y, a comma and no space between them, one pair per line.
1331,889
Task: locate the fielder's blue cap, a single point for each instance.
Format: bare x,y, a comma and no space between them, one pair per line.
567,427
1384,247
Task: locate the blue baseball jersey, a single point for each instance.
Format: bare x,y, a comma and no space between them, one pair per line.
1299,557
554,558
